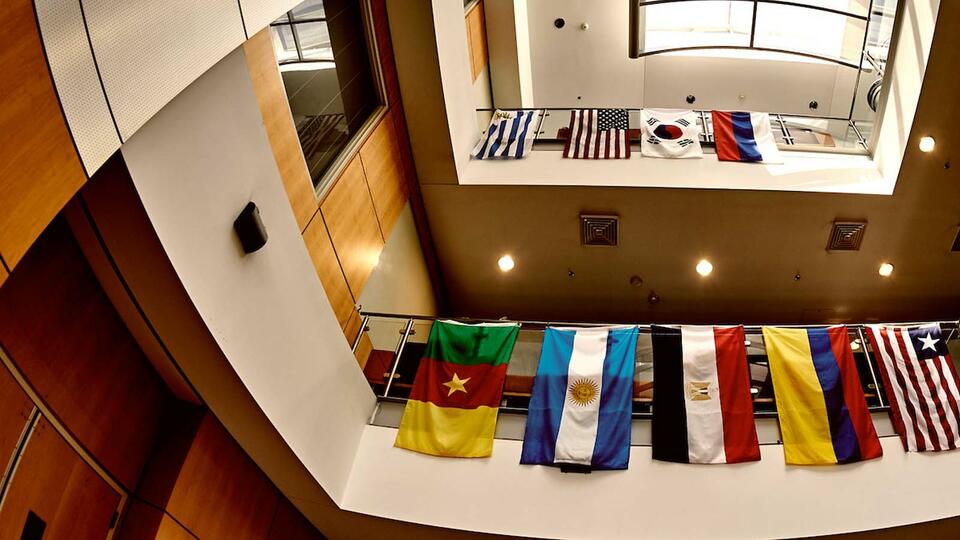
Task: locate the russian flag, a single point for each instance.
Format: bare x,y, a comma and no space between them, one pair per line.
703,411
823,413
580,410
744,136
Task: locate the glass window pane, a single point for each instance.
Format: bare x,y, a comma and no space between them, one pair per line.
805,30
283,44
692,24
856,7
310,9
314,41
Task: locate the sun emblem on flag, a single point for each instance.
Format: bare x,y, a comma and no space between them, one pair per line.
582,392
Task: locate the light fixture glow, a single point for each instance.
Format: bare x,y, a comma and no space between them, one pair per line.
747,343
704,267
927,144
855,344
506,263
885,269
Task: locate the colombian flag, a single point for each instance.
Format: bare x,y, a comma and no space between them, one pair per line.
453,405
823,413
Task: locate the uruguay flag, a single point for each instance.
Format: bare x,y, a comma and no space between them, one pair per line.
744,136
581,405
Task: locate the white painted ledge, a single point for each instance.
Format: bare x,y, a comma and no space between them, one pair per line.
802,171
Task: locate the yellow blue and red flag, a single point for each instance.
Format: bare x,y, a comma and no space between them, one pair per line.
823,413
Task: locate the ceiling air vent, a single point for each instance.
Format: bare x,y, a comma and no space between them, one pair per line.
846,235
599,230
956,242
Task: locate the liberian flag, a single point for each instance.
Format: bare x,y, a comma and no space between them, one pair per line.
510,135
598,134
581,406
453,405
921,385
823,413
744,136
669,133
702,412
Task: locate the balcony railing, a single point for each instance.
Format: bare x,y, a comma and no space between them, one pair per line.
393,345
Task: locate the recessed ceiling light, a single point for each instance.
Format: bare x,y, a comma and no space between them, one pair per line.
855,344
927,144
704,267
506,263
747,343
885,269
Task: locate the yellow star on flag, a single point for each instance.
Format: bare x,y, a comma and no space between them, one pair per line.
456,384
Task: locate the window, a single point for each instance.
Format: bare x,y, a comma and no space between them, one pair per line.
331,84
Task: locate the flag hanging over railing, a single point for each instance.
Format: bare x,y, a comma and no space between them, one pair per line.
744,136
703,411
510,135
921,384
598,134
453,405
820,403
580,409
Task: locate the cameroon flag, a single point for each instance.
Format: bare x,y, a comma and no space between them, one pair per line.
453,405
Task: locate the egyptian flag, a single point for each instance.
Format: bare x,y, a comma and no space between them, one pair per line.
744,136
453,405
823,413
669,133
580,411
702,410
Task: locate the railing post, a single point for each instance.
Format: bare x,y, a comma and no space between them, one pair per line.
396,355
363,326
866,354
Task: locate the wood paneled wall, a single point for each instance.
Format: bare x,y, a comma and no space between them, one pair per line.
476,39
62,333
346,231
39,167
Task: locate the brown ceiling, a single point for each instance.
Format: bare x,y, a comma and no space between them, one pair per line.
756,240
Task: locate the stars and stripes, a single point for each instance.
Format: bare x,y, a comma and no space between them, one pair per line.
921,384
598,134
510,135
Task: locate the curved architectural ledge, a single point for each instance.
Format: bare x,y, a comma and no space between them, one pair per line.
652,499
802,171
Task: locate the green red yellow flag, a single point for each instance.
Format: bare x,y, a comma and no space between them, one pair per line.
453,405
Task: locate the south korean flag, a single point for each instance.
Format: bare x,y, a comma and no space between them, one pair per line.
670,133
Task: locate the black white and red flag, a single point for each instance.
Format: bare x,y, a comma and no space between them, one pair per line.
598,134
921,384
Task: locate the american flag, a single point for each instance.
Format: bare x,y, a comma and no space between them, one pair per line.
921,384
598,134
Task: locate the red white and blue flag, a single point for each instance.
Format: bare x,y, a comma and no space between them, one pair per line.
670,133
921,384
598,134
744,136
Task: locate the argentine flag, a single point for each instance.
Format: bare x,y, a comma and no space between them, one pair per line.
580,409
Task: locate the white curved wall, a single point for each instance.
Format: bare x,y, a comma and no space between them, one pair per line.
651,499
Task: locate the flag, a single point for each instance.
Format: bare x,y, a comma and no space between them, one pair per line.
598,134
921,384
823,414
510,135
744,136
453,405
702,410
669,133
580,410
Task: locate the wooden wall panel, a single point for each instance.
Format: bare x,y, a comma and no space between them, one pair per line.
219,491
289,524
384,170
62,333
39,166
3,275
52,481
15,409
328,269
476,39
364,348
144,522
352,222
275,109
